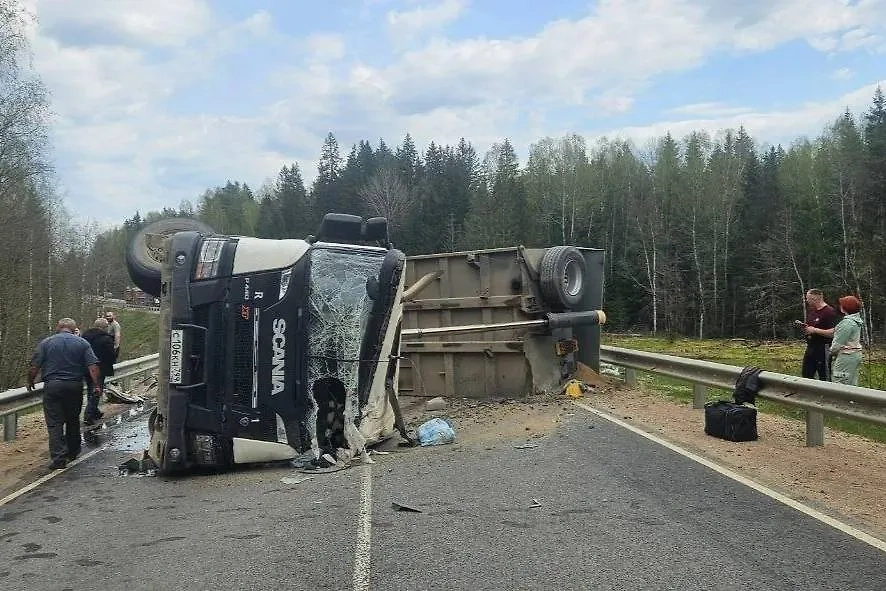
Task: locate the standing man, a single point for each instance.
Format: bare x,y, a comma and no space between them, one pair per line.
819,328
102,344
114,329
63,360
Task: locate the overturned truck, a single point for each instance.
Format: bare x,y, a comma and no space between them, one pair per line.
277,349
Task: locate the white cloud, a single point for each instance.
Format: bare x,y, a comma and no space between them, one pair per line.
782,126
614,103
325,47
622,43
158,22
123,145
828,25
843,74
710,109
428,16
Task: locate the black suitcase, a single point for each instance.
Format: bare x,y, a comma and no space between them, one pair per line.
730,421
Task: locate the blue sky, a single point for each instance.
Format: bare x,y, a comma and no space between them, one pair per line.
156,101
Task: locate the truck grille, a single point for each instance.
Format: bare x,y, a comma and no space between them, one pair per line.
241,362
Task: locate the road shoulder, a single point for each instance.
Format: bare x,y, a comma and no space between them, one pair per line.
846,478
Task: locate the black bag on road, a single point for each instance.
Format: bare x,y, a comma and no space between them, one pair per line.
730,421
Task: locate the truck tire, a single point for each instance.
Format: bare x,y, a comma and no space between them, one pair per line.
144,259
562,275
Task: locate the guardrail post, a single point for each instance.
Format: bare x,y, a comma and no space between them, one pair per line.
630,377
814,428
699,395
10,425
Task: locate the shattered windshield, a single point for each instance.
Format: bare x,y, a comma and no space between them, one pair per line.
339,308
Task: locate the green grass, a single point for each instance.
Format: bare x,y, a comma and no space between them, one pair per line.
140,333
781,357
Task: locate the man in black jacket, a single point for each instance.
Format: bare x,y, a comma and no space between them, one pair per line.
103,346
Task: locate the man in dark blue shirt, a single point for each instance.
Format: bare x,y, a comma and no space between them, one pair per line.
63,360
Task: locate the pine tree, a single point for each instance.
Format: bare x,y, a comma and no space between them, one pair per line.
325,192
292,203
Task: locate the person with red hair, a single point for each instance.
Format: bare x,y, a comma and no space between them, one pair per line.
846,346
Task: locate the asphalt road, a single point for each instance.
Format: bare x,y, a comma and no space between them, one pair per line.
592,507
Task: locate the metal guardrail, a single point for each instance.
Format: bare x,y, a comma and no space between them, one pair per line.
817,398
123,373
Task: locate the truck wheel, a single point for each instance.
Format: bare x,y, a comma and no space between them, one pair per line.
562,276
144,253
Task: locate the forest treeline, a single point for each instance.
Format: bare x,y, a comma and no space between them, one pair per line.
709,236
704,236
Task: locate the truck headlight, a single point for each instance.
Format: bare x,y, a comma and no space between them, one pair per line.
207,263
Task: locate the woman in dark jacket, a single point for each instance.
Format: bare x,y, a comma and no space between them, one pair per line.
103,346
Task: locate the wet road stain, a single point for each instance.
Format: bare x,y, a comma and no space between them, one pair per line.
52,519
159,507
88,562
245,537
234,510
31,547
160,541
50,498
7,536
38,555
13,515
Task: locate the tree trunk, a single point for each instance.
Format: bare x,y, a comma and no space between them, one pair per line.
714,276
49,288
725,271
843,227
790,246
30,313
695,256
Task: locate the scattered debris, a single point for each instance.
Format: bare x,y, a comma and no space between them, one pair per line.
326,463
588,376
295,480
138,467
438,403
535,504
116,395
436,432
401,507
573,389
526,446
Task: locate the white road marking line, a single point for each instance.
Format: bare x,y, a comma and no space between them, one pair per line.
362,554
826,519
54,473
47,477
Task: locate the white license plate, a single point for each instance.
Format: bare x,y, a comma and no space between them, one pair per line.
175,357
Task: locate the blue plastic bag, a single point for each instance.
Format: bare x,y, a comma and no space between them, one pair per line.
436,432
